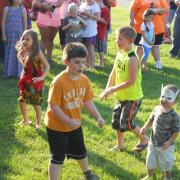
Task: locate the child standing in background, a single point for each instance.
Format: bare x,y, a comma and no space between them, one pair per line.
125,81
91,12
148,36
73,25
101,32
165,123
14,22
31,80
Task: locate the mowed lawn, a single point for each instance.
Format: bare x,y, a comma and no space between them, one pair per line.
24,152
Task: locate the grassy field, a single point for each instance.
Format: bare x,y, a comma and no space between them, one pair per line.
24,152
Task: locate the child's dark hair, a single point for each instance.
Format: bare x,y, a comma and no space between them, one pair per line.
74,50
128,32
35,49
148,12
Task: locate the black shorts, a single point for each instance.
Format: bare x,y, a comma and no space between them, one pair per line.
61,34
124,114
66,144
99,46
158,39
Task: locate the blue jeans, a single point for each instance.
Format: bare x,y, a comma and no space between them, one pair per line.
147,51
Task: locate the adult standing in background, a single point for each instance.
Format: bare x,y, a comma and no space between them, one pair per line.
175,50
3,3
48,24
137,9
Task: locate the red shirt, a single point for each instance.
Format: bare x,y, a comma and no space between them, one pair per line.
3,3
101,27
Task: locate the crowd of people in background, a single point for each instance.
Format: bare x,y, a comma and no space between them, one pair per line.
83,28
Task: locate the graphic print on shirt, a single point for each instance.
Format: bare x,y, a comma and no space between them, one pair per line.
74,98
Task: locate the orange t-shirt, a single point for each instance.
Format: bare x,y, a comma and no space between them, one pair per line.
139,7
69,95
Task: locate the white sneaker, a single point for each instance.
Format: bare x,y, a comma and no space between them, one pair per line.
158,65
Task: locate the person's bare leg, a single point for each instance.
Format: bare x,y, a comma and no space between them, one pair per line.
91,56
24,112
139,52
101,58
54,171
120,141
37,109
155,51
142,138
50,38
83,163
43,42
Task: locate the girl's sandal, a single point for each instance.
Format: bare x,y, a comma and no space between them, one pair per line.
38,126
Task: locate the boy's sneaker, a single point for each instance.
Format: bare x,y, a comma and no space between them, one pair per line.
158,65
90,176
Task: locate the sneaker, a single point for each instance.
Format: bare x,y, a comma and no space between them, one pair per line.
158,65
91,176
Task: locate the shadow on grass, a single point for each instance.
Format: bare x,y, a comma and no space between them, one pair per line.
109,167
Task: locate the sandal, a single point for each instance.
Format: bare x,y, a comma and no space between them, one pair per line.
140,147
24,122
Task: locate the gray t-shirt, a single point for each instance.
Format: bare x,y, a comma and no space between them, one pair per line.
73,34
163,125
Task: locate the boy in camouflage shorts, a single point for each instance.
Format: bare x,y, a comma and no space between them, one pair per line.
165,124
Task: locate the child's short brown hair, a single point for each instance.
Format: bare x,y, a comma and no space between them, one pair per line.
128,32
74,50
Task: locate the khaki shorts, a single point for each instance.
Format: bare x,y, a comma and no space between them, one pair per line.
157,157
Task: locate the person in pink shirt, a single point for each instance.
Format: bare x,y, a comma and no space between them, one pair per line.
48,22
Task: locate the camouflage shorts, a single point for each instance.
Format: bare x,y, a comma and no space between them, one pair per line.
124,114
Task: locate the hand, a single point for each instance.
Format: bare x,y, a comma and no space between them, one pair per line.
85,13
143,130
132,23
106,93
101,122
166,144
37,79
74,123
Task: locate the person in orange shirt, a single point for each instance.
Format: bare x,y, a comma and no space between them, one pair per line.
137,9
69,91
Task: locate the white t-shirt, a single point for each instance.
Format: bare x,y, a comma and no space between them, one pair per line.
91,29
149,34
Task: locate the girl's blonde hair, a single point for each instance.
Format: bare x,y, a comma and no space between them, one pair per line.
35,49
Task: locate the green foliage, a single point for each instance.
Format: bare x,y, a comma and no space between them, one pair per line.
24,152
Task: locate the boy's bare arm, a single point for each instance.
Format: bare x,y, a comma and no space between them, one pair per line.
147,125
171,140
91,108
72,123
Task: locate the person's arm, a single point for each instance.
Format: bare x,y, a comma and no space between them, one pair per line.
24,19
132,16
83,22
4,24
66,25
95,16
171,140
45,70
72,123
91,108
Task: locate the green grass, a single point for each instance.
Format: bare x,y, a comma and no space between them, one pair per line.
24,152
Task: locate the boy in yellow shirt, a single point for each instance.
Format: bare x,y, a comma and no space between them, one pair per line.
125,81
69,91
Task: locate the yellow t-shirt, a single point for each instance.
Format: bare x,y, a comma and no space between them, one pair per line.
69,95
133,92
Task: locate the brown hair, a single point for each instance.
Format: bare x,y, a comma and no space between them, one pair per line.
128,32
35,49
74,50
